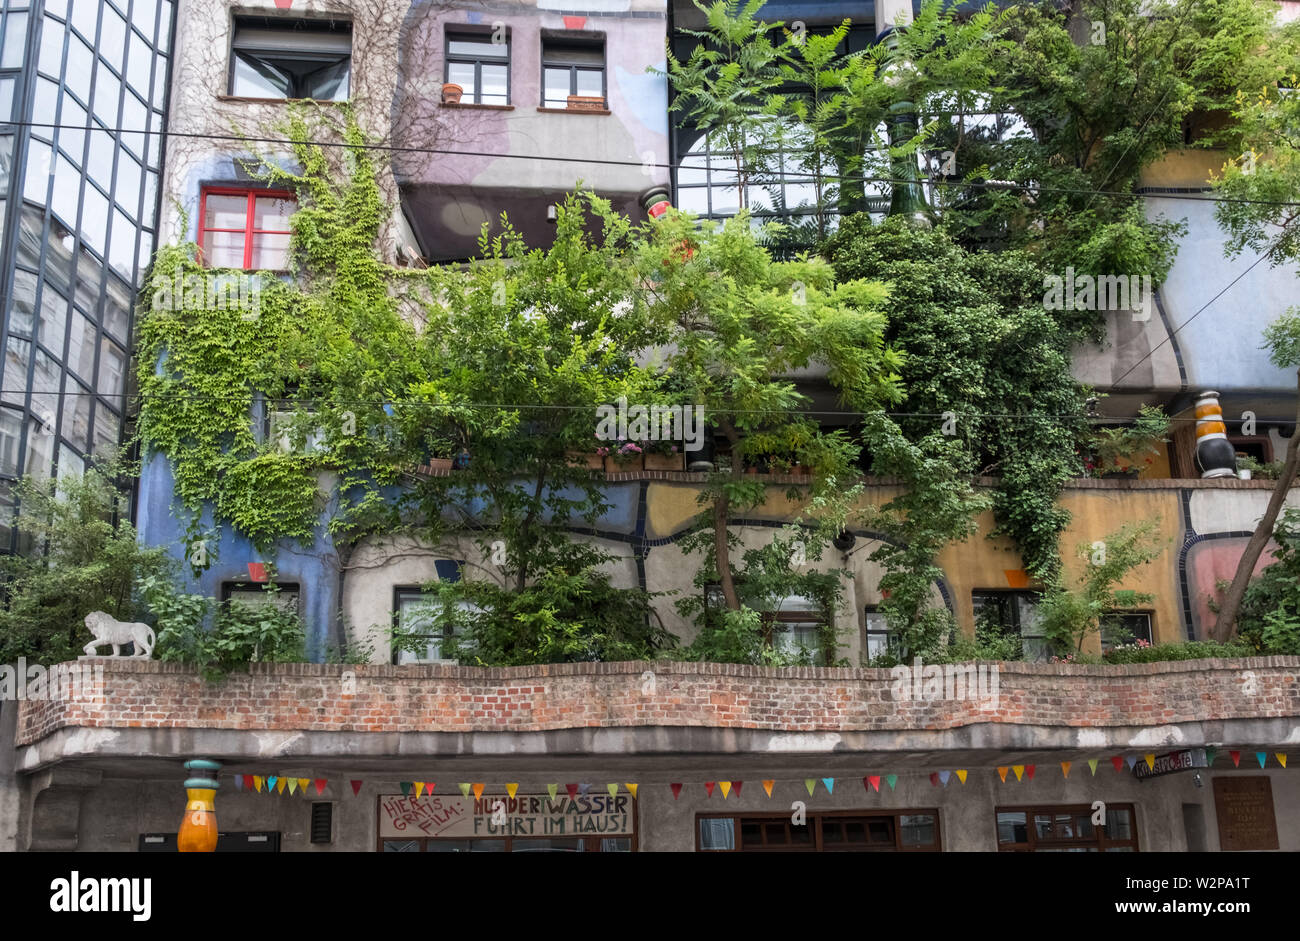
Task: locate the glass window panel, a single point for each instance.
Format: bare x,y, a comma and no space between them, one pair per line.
84,16
775,834
165,26
71,464
128,184
57,7
153,142
329,83
108,92
258,77
30,228
751,833
99,157
273,214
557,87
40,450
58,257
801,834
37,178
6,98
50,60
121,250
67,184
135,117
225,212
54,320
718,833
445,846
112,37
17,355
90,278
11,429
72,137
150,205
694,200
77,413
1119,824
81,346
159,94
591,83
94,218
106,433
574,54
15,45
270,252
494,85
138,61
45,388
144,17
917,829
1043,826
462,74
117,308
223,249
478,47
76,75
22,310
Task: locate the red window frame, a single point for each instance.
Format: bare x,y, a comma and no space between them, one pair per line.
247,231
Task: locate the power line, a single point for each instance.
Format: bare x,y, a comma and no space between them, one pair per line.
763,179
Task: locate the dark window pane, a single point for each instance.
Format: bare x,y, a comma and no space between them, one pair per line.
401,846
917,829
23,307
717,833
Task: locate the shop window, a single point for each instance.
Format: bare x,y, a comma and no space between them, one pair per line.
479,62
903,831
1125,627
291,59
1014,612
572,67
243,228
1066,829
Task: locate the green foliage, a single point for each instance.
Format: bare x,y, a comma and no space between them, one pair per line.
1069,616
991,642
91,562
1269,617
1116,447
1189,650
220,638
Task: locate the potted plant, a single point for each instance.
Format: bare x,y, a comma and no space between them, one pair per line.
662,455
451,93
586,103
1122,451
628,455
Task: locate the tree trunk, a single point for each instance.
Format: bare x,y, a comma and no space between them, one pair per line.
721,510
1226,624
525,531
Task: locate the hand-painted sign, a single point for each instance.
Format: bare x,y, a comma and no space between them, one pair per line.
498,816
1183,760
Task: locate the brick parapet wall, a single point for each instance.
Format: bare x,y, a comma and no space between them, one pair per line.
332,698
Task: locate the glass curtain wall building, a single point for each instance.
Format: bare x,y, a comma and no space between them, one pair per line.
83,99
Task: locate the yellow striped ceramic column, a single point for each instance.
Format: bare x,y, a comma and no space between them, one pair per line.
198,832
1215,455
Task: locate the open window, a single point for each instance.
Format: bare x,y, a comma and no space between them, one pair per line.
286,59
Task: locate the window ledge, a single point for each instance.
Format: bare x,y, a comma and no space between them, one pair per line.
472,106
571,111
277,101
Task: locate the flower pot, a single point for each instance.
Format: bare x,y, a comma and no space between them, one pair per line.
451,93
586,103
627,464
438,465
751,470
665,462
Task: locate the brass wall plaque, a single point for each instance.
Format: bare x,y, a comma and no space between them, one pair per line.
1244,808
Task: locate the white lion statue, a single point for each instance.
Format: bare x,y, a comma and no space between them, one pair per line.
109,630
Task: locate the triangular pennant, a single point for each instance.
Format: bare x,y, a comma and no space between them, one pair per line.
1236,758
405,786
934,778
511,789
320,786
429,786
811,784
419,789
767,786
1281,758
248,782
891,780
572,789
677,790
725,787
1262,756
735,784
1019,770
302,783
1065,768
1150,759
279,786
1210,755
961,775
1132,760
583,788
945,777
631,789
239,782
293,785
874,781
551,790
708,787
1092,766
464,788
270,782
1029,771
612,788
1002,773
257,782
477,789
356,788
830,785
1118,762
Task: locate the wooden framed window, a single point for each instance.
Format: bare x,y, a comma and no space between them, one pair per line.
245,228
902,831
1065,828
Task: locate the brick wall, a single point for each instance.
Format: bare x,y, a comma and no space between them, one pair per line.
315,697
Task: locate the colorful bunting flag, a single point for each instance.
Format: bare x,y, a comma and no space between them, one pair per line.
934,779
1262,756
612,788
302,783
631,789
961,775
1236,758
551,790
1281,758
356,788
257,781
293,785
1210,755
1002,773
1065,768
270,783
405,786
572,789
945,777
767,786
477,789
1092,766
239,782
279,786
248,782
708,787
830,785
725,786
1132,760
871,782
1029,771
891,780
464,788
1118,762
429,785
1019,770
583,788
419,789
511,789
677,790
1150,759
320,786
810,783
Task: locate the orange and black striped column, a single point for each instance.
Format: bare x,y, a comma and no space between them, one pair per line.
1215,455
